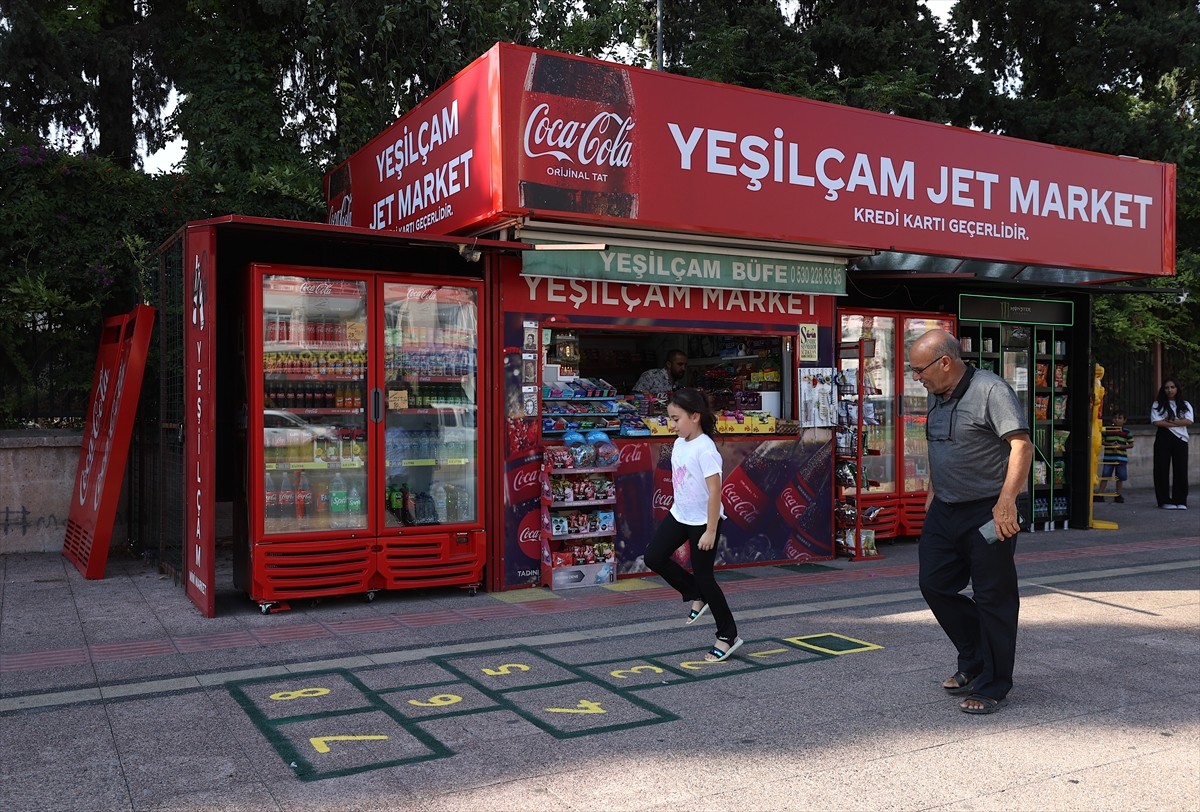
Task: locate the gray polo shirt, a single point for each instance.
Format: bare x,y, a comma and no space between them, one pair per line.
968,450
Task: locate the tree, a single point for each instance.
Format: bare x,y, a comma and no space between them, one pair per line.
1115,77
92,66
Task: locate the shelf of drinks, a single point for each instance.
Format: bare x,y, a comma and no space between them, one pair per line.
310,377
583,503
606,469
403,377
314,466
295,347
573,536
432,410
398,466
313,411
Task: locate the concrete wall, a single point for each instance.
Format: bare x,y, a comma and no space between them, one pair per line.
37,474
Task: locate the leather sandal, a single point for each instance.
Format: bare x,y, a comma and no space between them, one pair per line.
963,684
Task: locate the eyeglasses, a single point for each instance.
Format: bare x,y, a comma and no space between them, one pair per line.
921,370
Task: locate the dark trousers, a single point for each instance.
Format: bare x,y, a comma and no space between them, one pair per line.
698,585
983,628
1170,457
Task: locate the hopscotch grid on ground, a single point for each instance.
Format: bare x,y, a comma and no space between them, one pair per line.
484,673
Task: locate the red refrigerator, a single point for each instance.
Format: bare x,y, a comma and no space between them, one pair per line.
364,456
893,416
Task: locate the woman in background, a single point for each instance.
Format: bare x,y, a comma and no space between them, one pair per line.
1172,414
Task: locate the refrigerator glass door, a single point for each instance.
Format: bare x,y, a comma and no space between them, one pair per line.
431,430
879,395
314,362
914,406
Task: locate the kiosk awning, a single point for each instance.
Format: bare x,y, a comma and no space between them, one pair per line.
634,256
897,266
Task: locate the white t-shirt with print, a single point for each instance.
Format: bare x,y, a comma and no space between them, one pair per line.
692,462
1159,414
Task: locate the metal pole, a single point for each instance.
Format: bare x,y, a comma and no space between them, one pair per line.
659,59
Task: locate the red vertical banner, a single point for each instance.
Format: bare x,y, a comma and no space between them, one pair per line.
199,386
112,408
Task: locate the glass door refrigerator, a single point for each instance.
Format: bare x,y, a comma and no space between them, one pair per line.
363,394
894,409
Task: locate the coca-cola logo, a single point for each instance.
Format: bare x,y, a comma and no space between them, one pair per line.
529,534
421,294
635,455
316,288
342,216
792,504
524,481
738,506
663,500
603,141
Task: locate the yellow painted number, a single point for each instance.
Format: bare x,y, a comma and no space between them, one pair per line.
505,669
436,701
584,706
303,693
637,669
770,652
320,744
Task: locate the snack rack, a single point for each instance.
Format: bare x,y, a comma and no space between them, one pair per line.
853,386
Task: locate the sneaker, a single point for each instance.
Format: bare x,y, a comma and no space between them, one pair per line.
1119,499
1181,507
1168,507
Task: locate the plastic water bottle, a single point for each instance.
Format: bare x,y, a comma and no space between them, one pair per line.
355,517
338,501
438,492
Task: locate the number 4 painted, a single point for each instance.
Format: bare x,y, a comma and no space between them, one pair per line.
320,743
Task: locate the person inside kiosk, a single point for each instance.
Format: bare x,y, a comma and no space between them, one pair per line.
666,378
736,370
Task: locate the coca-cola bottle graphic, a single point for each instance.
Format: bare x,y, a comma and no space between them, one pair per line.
635,512
338,200
578,150
752,488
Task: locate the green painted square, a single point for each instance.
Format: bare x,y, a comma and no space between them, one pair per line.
301,695
431,702
343,745
583,709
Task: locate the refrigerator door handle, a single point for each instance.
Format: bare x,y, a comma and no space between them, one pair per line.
376,405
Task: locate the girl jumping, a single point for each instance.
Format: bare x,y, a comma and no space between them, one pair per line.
695,517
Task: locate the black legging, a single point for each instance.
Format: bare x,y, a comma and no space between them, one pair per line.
698,585
1170,456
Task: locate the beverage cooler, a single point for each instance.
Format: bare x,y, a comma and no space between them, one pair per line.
893,418
363,389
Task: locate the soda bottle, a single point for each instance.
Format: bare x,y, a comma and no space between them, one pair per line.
304,502
355,515
756,483
579,100
287,504
339,498
270,504
321,506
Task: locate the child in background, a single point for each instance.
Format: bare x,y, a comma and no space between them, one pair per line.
695,518
1117,442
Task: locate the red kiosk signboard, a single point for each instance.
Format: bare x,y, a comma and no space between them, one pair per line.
111,411
522,132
